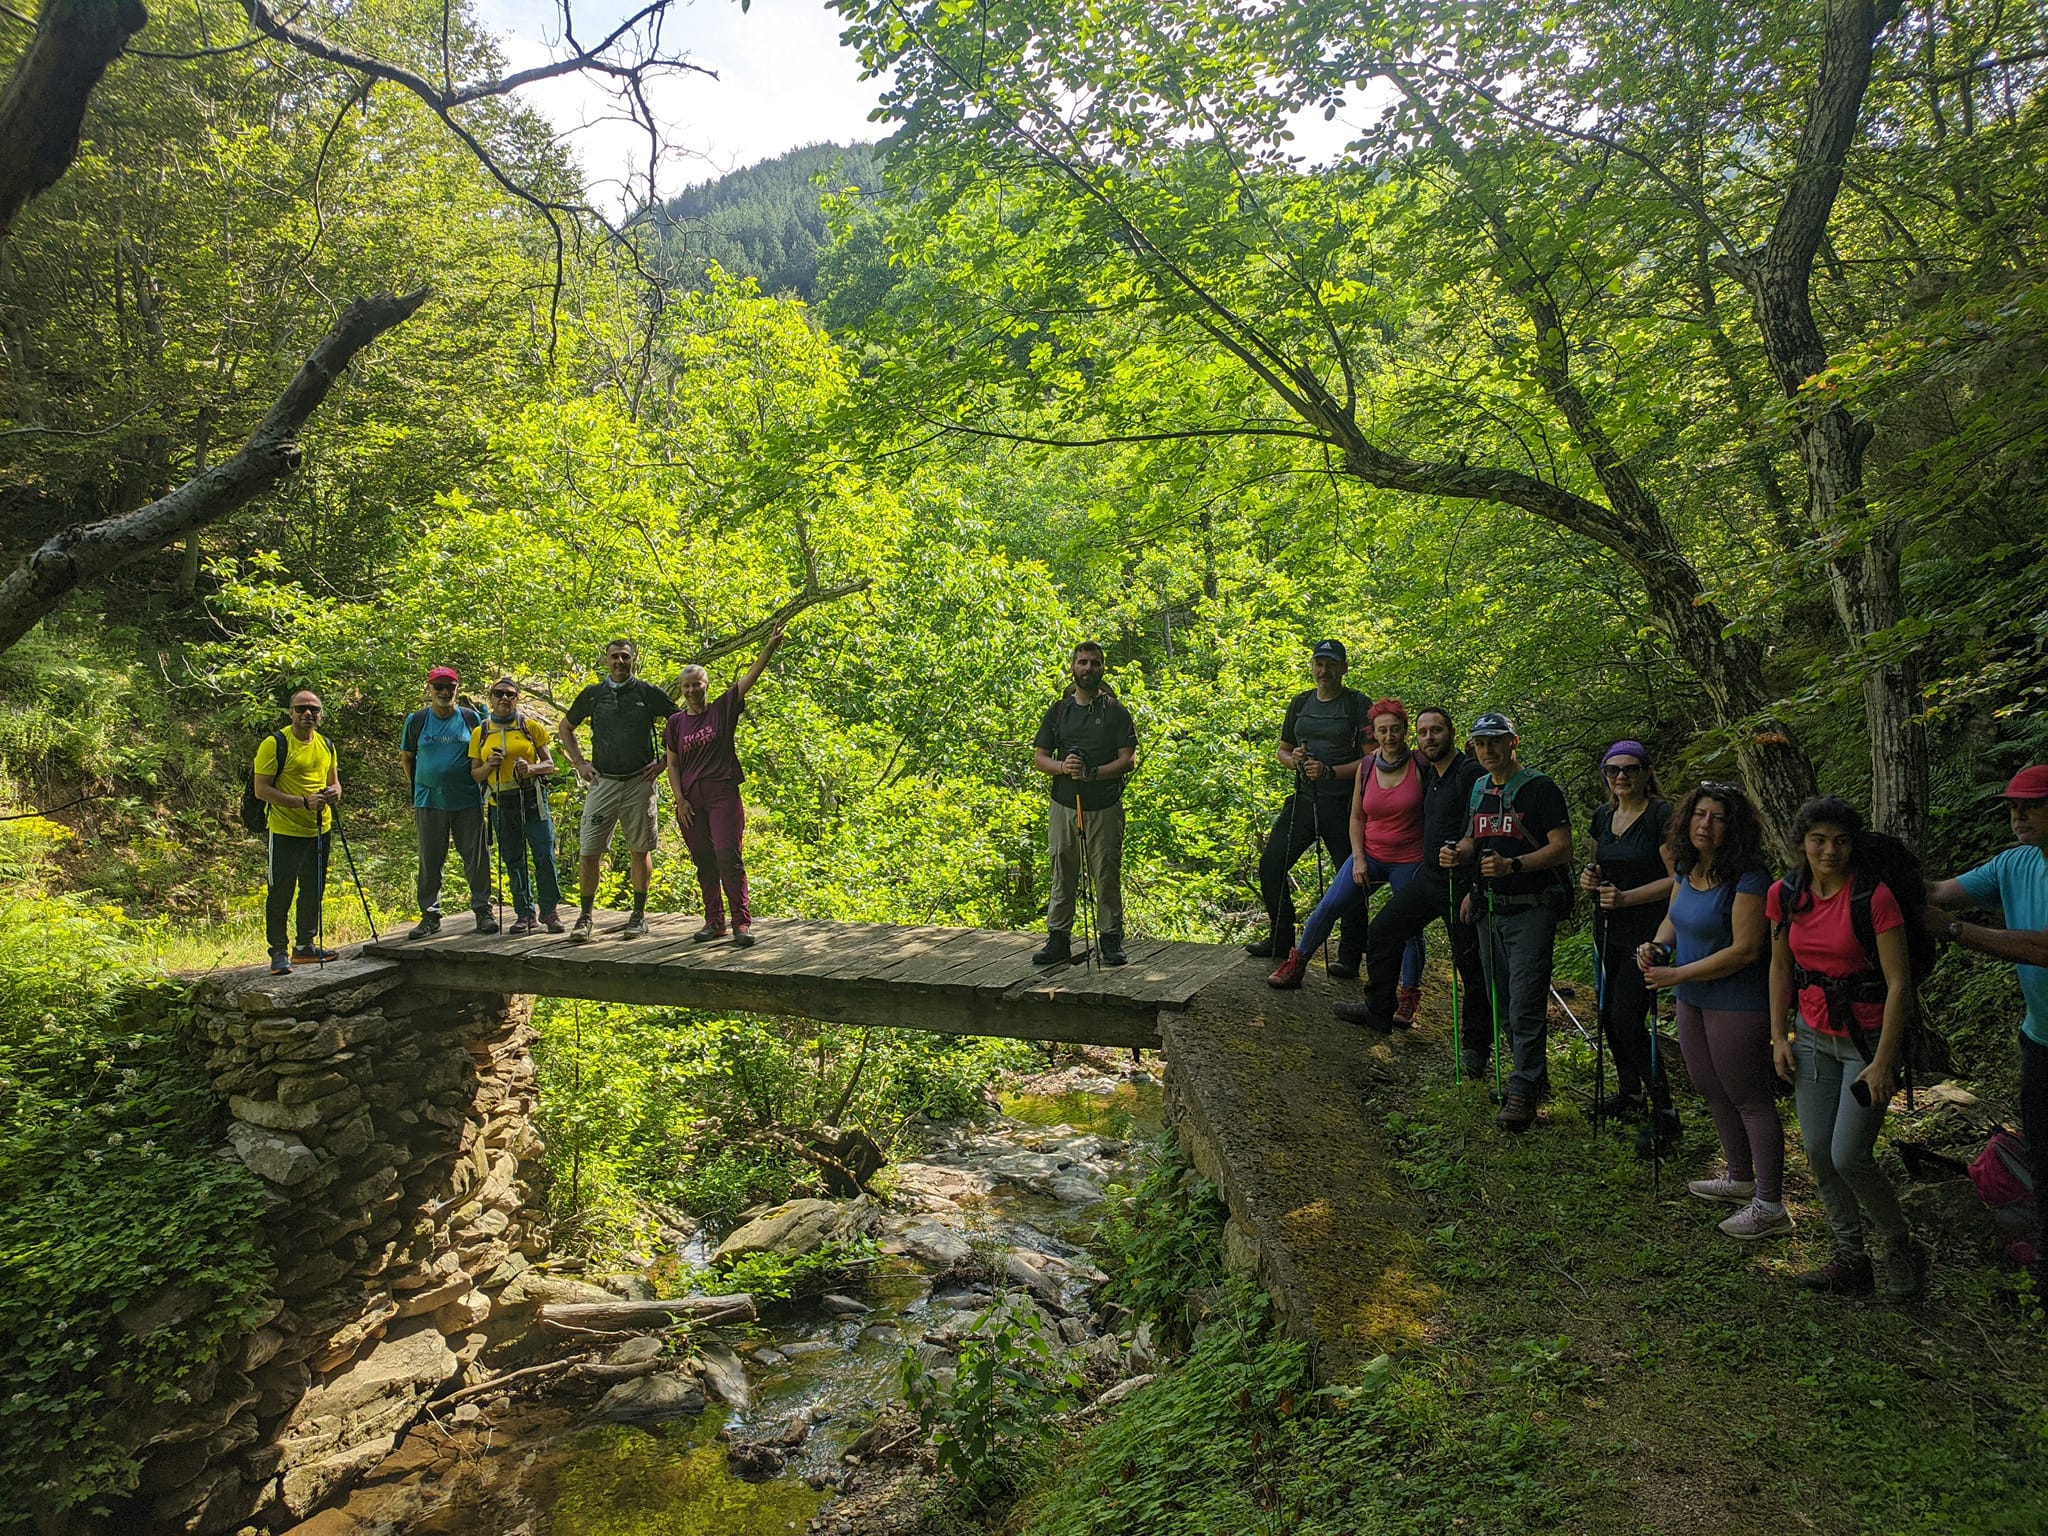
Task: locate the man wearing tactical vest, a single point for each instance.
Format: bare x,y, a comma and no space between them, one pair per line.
1322,739
1518,840
1086,744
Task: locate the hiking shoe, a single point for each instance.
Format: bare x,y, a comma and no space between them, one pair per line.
314,954
280,963
635,927
1659,1135
707,934
1109,949
743,938
1404,1011
525,925
426,927
1905,1271
1341,969
1732,1191
1757,1220
1058,949
485,923
1517,1112
581,933
552,920
1361,1013
1621,1104
1260,949
1846,1274
1288,973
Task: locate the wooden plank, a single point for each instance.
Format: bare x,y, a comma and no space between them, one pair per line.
950,965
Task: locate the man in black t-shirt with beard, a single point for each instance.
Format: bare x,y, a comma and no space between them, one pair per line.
1322,738
1519,842
1086,744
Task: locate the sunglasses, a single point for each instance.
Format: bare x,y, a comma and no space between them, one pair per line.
443,686
1622,770
504,693
1716,788
305,709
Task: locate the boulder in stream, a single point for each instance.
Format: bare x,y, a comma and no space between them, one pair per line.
793,1228
665,1395
725,1376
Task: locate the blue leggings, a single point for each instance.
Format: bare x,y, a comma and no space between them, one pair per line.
1346,896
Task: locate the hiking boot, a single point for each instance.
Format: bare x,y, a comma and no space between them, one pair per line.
1905,1270
426,927
743,938
485,923
1404,1011
1361,1013
1058,949
552,920
1757,1220
1517,1112
635,927
1846,1274
1341,969
1288,973
525,925
1109,949
1260,949
581,933
707,934
1621,1104
1732,1191
280,963
314,954
1659,1135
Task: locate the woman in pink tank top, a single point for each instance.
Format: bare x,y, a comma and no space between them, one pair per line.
1386,829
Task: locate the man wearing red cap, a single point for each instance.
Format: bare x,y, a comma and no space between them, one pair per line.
2015,883
446,802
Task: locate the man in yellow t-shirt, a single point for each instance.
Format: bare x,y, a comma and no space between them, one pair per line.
508,754
299,796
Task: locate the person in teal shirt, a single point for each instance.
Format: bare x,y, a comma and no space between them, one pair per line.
447,803
2015,883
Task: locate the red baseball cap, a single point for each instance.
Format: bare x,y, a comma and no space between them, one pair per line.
2029,784
444,674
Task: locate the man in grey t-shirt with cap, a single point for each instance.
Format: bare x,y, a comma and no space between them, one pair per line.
1322,738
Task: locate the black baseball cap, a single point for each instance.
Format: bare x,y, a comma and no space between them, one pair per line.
1493,723
1334,649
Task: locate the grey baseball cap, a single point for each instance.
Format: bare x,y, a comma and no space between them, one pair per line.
1493,723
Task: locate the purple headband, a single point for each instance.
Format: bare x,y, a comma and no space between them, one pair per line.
1626,749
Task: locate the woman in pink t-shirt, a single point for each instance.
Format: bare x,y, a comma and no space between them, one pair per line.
1849,1003
1386,829
704,775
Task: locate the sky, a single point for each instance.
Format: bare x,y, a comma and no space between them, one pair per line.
783,80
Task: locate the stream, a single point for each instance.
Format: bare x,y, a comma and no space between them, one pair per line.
1018,1190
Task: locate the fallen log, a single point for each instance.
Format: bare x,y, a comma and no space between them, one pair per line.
599,1316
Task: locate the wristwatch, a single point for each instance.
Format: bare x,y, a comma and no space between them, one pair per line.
1515,864
1088,772
1955,931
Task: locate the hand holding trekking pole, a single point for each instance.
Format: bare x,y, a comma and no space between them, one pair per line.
1654,961
1073,767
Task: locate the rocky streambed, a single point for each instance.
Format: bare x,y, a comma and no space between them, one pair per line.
791,1423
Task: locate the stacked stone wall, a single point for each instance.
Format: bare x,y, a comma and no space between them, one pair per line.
392,1126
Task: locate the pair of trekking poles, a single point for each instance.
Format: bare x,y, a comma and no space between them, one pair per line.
320,856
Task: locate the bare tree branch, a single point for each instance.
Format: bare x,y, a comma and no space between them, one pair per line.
69,559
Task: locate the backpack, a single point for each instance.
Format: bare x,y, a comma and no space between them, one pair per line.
530,797
1879,858
255,810
1482,785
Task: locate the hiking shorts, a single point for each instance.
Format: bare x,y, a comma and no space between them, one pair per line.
627,803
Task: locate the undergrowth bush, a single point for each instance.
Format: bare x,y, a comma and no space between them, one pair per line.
110,1195
781,1277
1161,1241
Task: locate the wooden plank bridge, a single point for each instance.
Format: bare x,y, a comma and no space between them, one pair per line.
959,981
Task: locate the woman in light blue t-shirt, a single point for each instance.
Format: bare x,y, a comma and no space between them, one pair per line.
1716,956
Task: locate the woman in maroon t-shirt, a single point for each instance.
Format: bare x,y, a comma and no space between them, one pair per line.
704,775
1841,1095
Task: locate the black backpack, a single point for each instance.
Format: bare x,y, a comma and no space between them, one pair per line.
1879,858
255,811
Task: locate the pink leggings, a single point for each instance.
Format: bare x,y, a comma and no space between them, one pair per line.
1728,1057
713,838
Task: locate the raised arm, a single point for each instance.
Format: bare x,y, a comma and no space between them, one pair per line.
753,674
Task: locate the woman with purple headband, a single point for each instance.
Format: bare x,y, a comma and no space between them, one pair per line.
1630,881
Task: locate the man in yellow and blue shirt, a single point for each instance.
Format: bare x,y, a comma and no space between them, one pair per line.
299,794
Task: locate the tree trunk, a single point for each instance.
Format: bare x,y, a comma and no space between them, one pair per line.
69,559
43,108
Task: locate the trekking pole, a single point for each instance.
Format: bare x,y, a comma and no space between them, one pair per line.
320,890
1457,1013
1493,982
361,894
1087,901
1315,824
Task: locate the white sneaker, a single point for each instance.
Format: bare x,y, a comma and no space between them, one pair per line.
1756,1220
1732,1191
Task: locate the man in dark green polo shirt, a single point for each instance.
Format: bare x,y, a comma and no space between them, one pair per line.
626,715
1086,744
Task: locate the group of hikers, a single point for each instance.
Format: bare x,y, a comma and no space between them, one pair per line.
1808,979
